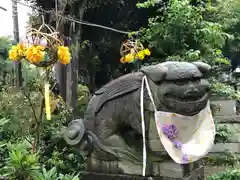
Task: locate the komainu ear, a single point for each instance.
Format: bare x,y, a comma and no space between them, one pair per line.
203,67
155,72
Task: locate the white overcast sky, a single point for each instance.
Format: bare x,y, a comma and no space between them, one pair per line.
6,21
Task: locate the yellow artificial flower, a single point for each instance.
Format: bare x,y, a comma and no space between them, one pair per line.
122,60
16,52
21,49
129,58
64,55
35,54
13,55
141,55
147,52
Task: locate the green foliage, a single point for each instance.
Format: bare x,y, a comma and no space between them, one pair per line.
4,45
222,134
221,89
19,113
46,175
64,158
21,163
3,143
83,99
21,117
15,107
233,174
147,4
5,65
187,31
227,13
223,159
53,174
3,153
54,151
68,177
181,31
3,122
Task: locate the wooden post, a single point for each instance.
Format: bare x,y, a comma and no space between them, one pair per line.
63,75
74,66
72,81
17,65
60,68
74,86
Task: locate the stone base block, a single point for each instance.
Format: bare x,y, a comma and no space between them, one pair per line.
226,107
197,174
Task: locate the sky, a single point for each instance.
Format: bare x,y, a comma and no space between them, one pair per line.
6,21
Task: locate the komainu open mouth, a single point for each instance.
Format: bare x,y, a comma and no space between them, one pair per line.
187,106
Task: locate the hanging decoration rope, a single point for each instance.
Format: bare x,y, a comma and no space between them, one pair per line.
133,50
72,19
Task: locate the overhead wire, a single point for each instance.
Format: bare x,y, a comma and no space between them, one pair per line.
69,18
2,8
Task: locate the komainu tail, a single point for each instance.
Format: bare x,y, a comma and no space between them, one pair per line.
76,135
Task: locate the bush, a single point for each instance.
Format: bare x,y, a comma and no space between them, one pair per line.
83,99
22,163
226,175
22,118
223,159
222,134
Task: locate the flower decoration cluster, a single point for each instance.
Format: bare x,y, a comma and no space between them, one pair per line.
133,50
133,56
41,48
170,130
37,53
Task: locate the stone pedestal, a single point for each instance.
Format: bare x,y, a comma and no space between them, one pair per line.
197,174
167,170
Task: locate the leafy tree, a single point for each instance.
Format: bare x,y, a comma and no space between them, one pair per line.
184,31
228,13
4,44
5,66
126,17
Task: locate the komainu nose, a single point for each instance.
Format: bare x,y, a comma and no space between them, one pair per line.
192,92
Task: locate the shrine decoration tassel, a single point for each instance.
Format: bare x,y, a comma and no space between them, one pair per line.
47,102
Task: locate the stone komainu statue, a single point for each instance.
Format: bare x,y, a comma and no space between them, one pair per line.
111,130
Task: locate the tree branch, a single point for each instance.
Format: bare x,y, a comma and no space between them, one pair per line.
31,104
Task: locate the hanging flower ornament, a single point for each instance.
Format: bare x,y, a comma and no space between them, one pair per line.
133,50
42,49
